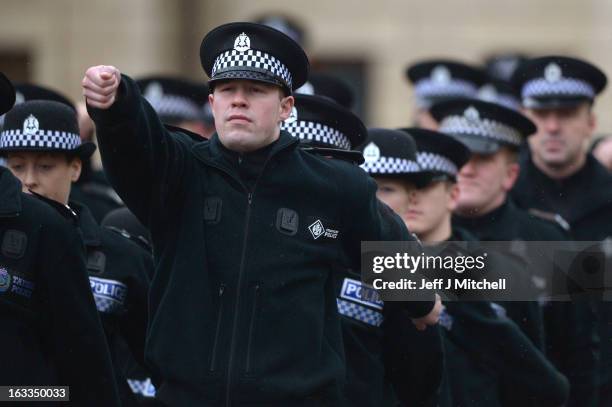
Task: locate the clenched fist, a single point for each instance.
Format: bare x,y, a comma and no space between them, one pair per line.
100,86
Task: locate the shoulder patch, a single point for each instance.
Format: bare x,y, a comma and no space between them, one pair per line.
550,217
14,243
357,291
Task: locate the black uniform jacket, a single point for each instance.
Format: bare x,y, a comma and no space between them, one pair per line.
584,200
51,333
242,305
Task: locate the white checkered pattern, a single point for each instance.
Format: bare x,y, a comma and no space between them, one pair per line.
42,138
318,132
456,88
176,106
252,59
435,162
359,312
540,87
446,320
391,165
107,305
460,125
143,387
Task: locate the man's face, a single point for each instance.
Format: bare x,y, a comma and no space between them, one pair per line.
562,134
47,174
424,210
248,113
431,208
485,181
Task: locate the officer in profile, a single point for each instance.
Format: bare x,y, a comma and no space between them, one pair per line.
246,227
50,327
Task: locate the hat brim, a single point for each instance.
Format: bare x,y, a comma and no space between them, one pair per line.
481,145
554,102
84,151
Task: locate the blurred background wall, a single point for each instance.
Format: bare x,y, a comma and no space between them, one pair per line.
52,42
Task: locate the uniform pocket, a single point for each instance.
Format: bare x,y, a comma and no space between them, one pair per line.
213,354
252,328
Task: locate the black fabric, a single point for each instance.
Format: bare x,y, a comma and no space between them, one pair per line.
7,94
218,283
126,263
571,339
54,337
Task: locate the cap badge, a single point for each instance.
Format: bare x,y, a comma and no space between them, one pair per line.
441,75
371,153
306,89
471,114
552,72
242,43
19,98
293,116
154,92
488,93
30,125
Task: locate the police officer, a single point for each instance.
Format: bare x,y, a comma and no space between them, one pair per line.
557,174
331,130
424,193
495,135
246,228
43,149
437,80
179,102
51,332
91,188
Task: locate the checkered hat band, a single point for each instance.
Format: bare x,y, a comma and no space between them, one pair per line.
427,88
563,87
359,312
42,138
487,128
317,132
175,106
391,165
435,162
252,59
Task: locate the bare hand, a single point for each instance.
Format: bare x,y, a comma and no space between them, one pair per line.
100,86
431,318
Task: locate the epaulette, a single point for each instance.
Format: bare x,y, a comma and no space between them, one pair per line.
62,209
550,217
352,156
102,191
141,241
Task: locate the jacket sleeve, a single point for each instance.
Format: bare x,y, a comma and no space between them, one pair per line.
143,161
70,317
368,219
134,323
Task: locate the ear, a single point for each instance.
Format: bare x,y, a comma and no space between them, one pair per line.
76,166
592,122
211,99
512,173
286,104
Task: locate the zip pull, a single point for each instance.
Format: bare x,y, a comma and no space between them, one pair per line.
221,290
250,197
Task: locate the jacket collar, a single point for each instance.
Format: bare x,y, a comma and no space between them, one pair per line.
10,193
213,152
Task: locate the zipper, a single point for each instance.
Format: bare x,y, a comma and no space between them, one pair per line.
213,358
251,329
240,273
